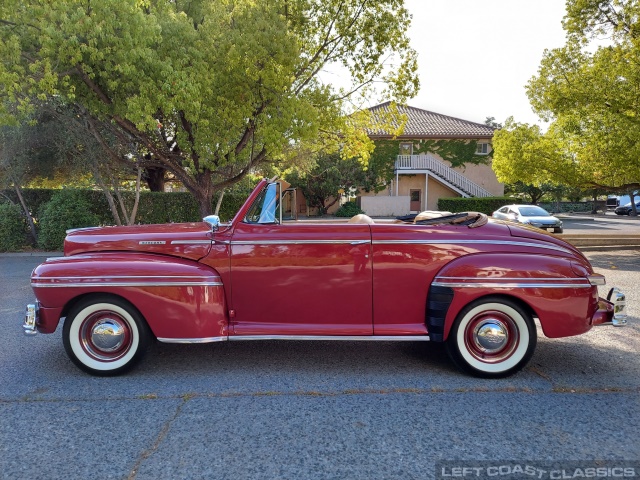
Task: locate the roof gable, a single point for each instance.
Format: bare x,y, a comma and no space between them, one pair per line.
426,124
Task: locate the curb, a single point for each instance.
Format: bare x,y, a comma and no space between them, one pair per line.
607,248
31,254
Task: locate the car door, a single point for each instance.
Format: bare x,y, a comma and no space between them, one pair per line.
300,279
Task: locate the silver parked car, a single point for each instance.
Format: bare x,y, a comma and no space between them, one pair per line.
529,215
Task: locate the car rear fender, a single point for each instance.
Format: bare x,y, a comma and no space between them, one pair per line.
180,299
547,286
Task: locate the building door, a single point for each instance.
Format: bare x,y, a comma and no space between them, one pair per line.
415,204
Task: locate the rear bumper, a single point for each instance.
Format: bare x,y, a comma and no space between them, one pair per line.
612,311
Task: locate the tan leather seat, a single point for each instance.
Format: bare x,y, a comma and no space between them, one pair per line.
361,218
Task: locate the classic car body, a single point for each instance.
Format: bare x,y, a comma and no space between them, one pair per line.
477,287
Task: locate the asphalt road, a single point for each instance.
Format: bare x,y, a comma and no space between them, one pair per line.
601,224
297,410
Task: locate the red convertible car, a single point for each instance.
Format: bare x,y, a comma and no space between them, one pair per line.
475,284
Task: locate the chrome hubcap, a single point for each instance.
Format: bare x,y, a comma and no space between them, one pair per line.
108,335
490,336
105,336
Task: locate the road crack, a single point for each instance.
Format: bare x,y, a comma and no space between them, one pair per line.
159,439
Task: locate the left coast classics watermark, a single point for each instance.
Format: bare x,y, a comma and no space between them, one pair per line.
543,470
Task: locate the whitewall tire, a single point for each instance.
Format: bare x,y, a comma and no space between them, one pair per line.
105,335
492,337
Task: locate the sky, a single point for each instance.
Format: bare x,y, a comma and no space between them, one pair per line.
475,57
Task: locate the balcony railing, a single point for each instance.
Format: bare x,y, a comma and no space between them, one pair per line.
435,166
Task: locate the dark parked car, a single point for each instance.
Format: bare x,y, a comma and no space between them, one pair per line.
529,215
626,209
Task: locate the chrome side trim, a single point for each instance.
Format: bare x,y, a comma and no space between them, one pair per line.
126,284
297,242
152,242
193,340
472,242
130,277
458,284
515,279
379,338
191,242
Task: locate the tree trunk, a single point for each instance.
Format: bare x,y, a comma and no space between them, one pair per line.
203,193
134,210
219,203
155,178
107,194
25,209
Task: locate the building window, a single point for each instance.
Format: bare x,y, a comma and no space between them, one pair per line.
406,149
482,148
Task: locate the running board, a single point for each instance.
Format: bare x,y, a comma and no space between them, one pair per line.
350,338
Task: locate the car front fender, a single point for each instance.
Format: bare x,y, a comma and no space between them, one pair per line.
181,300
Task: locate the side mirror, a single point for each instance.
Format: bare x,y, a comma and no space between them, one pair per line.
213,220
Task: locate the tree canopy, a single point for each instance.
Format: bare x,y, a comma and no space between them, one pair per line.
589,90
210,89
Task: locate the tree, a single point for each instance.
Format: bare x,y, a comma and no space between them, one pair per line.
532,193
211,90
591,94
491,122
28,152
64,142
331,176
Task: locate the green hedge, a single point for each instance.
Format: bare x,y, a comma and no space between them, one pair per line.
154,207
66,209
349,209
13,228
486,205
573,207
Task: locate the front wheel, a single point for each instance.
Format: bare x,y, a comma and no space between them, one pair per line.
492,338
105,335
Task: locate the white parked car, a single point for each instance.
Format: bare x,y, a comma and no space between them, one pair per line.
530,215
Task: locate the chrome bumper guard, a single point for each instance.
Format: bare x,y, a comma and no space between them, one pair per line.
30,319
619,301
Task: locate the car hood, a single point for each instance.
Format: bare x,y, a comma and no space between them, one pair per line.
187,240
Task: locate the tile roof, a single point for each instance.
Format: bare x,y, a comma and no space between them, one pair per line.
426,124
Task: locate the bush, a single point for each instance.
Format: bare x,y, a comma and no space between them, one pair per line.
486,205
13,228
66,209
349,209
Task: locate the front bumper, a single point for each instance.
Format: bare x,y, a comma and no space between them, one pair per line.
31,319
611,311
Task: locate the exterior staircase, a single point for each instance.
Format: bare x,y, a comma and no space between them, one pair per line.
446,175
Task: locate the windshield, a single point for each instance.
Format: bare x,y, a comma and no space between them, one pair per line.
533,212
263,209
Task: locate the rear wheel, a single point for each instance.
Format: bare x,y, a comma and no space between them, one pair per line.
105,335
492,337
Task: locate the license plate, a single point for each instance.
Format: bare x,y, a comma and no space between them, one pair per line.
551,229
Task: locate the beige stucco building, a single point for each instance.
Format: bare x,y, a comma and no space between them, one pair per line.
423,158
